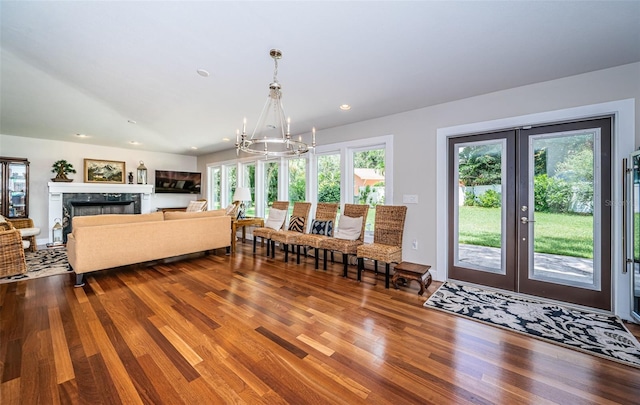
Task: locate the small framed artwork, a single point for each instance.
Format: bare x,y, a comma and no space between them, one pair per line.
104,171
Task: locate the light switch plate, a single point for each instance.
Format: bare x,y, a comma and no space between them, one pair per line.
410,199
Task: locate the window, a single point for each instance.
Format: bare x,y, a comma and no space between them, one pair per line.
231,182
357,172
369,182
215,187
249,180
270,185
297,171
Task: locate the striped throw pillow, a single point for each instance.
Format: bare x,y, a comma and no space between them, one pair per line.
296,224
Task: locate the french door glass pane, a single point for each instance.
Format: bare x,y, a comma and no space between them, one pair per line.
480,219
563,191
250,181
271,185
216,188
369,182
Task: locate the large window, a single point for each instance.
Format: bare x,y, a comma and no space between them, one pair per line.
369,182
249,180
358,172
270,185
231,182
215,187
329,177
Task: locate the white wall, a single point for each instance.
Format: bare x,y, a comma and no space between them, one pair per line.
42,153
415,145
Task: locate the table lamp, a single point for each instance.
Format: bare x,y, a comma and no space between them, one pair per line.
242,194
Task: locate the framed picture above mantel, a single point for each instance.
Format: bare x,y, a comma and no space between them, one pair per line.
104,171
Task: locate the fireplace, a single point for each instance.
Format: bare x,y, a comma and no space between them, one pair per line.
67,200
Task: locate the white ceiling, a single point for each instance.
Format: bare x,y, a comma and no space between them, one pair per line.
89,67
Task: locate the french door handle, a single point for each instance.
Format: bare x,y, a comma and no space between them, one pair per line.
525,220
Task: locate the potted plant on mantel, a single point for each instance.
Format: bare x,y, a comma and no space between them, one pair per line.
61,168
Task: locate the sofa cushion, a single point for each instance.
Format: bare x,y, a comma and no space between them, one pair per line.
110,219
169,215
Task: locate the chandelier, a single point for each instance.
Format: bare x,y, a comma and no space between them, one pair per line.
272,135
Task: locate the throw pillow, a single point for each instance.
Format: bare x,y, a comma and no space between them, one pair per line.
230,209
195,206
322,228
349,228
275,219
296,224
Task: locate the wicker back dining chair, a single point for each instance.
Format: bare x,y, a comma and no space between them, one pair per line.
12,259
325,223
387,239
297,226
264,233
345,246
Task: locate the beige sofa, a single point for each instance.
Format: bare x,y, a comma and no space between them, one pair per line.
100,242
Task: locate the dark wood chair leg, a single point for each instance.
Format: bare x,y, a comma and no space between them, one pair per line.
273,249
317,257
332,261
386,275
360,267
286,253
324,262
375,267
298,254
345,260
268,247
254,244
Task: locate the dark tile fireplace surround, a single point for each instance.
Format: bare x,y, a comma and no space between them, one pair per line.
80,204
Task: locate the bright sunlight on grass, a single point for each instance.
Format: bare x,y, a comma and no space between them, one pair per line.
561,234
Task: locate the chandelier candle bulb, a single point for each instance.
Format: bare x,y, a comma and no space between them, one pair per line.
244,125
289,126
313,136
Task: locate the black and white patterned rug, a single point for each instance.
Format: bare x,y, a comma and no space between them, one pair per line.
42,263
598,334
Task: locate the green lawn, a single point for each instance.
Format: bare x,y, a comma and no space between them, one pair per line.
562,234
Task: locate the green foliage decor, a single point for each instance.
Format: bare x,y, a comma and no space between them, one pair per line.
61,168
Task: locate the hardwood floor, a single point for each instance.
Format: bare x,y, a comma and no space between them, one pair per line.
247,329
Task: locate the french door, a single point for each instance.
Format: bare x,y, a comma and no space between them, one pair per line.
530,211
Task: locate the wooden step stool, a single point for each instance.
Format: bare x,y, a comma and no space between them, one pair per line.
412,271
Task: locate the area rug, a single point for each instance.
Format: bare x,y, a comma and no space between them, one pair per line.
598,334
42,263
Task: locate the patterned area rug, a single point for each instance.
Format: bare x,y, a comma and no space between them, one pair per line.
598,334
42,263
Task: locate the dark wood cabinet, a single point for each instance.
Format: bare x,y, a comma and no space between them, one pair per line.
14,187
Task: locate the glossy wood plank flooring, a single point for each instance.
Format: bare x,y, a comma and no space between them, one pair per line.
246,329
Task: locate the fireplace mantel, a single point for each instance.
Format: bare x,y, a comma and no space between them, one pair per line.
70,187
57,189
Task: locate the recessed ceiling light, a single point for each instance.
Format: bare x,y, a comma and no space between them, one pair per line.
202,72
194,147
134,142
345,107
82,135
226,139
131,122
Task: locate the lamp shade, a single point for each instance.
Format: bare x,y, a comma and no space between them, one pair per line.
242,194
